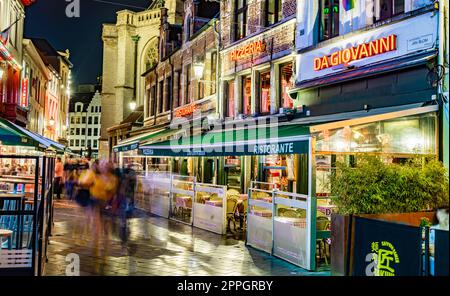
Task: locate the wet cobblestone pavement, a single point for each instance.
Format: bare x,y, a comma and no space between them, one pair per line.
156,246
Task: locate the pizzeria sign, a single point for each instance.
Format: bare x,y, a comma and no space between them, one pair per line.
248,50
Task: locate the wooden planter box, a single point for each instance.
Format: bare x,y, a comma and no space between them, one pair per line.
342,235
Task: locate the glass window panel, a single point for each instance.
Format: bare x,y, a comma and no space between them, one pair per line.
286,83
231,100
265,92
408,135
247,94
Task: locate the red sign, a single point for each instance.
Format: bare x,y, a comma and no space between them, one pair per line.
355,53
24,99
247,50
188,110
28,2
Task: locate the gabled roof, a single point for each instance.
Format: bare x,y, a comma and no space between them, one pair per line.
84,98
48,54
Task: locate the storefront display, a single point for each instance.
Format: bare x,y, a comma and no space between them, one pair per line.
409,135
280,170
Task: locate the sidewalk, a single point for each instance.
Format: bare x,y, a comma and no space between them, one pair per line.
157,246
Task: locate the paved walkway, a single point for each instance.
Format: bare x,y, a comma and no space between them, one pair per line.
156,246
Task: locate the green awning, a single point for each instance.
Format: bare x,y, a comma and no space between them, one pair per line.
60,148
23,136
266,140
10,137
134,142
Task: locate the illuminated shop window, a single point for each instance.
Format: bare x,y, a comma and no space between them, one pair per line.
407,135
286,83
246,95
231,99
265,92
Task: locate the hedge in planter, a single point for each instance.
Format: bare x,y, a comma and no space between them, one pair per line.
375,187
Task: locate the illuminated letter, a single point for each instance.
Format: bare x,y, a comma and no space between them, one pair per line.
355,52
325,63
393,39
346,56
374,47
335,58
317,64
363,51
384,45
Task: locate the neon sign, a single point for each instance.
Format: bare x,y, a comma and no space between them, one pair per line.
247,50
186,111
355,53
24,100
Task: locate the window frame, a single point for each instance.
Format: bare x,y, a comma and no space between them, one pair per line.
260,82
278,9
187,84
238,11
331,33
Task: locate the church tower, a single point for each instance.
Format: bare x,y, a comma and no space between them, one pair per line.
130,47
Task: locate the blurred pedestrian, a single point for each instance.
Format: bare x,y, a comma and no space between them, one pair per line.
58,180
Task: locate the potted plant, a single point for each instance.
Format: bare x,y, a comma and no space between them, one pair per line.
387,191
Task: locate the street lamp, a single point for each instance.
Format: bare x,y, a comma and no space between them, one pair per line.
1,72
52,121
133,105
199,68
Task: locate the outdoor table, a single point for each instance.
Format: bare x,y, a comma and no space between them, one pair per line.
266,199
5,233
18,177
215,203
16,180
204,198
262,213
297,222
12,195
243,197
184,201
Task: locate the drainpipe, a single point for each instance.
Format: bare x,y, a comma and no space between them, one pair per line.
442,86
218,71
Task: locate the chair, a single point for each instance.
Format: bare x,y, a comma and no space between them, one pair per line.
289,213
231,209
245,204
4,233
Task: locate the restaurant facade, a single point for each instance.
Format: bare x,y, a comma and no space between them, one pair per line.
368,80
296,95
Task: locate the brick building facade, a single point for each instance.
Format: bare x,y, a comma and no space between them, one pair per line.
257,57
172,86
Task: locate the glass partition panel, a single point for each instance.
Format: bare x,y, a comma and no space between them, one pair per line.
259,219
211,208
182,198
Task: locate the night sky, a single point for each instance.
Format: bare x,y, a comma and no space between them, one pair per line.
82,36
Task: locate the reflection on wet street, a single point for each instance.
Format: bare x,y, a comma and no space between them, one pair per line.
154,246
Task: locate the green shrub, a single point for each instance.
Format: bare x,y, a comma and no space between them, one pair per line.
374,187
